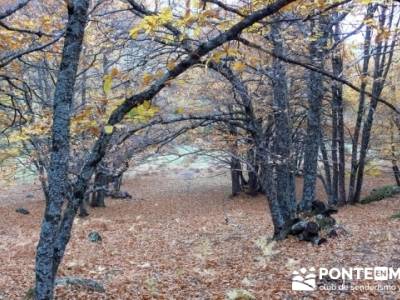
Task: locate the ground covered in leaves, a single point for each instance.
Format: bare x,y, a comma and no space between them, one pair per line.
183,238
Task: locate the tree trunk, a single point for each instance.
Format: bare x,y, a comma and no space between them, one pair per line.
382,61
100,187
252,186
282,139
328,177
338,125
276,173
235,176
235,165
361,106
395,168
47,259
118,182
83,211
252,125
334,151
315,96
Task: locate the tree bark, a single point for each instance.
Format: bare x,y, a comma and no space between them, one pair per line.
315,96
338,142
46,257
282,138
235,176
328,178
235,165
382,62
100,186
395,168
361,106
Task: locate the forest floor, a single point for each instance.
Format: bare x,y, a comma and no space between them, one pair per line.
172,241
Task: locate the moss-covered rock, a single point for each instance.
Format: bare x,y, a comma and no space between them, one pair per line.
396,216
325,222
381,193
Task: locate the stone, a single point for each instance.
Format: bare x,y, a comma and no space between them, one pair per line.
298,227
312,228
81,282
324,221
94,237
22,211
318,207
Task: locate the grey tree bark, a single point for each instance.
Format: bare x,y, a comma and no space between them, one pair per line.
282,138
47,255
338,142
100,187
361,105
315,96
329,183
383,58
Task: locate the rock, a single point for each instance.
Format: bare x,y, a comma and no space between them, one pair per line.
94,237
120,195
324,221
318,207
330,211
337,230
340,230
30,196
298,227
318,240
332,233
306,231
315,228
22,211
312,228
89,284
380,193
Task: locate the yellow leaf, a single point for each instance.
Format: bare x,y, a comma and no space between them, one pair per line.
197,31
366,2
143,112
149,24
165,16
134,32
108,129
18,137
180,111
114,72
146,104
210,13
107,83
159,73
170,65
147,78
9,153
238,66
188,21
